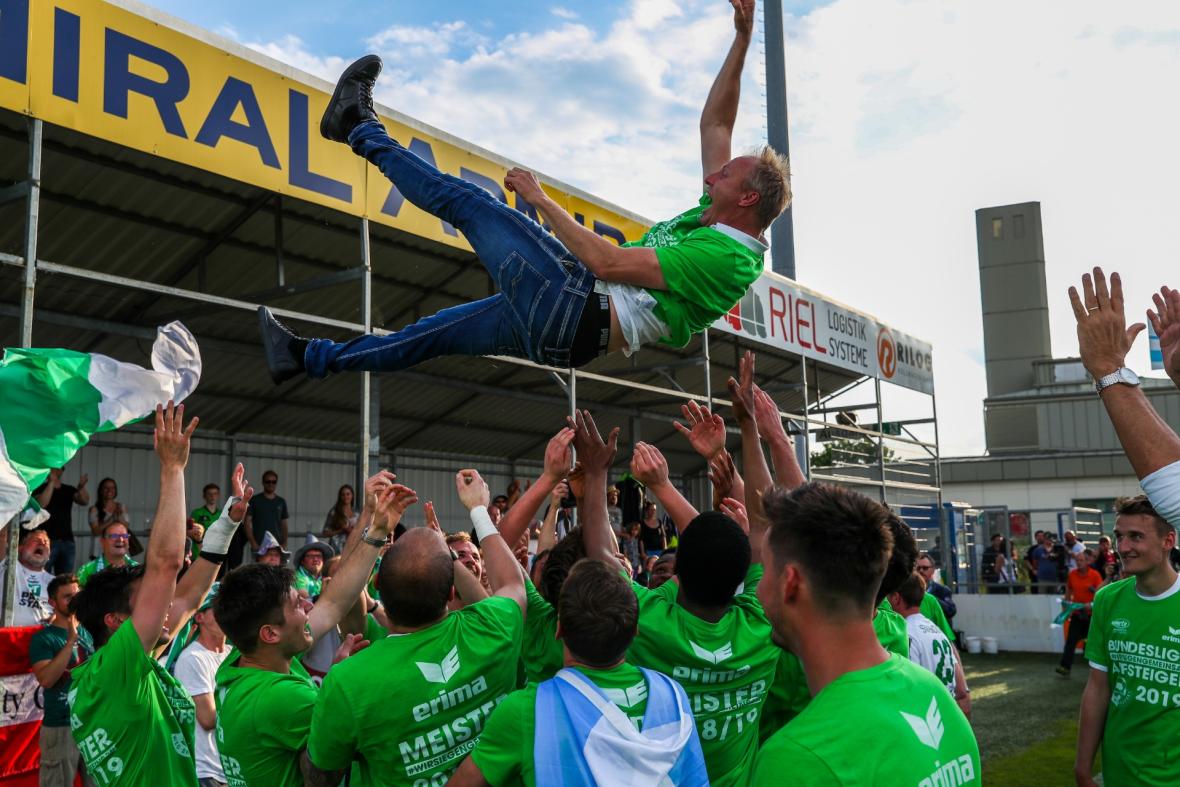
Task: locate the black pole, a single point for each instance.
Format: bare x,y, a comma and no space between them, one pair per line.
782,232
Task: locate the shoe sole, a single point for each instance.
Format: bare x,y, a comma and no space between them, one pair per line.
265,318
357,65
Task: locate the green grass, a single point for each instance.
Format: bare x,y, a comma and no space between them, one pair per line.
1025,717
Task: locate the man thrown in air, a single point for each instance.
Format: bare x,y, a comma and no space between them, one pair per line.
566,298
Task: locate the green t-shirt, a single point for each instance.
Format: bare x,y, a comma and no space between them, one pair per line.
705,270
891,631
94,566
305,581
203,517
132,721
44,646
1136,641
505,753
725,667
409,708
541,650
263,719
890,724
789,694
932,611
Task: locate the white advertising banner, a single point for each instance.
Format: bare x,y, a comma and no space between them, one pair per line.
778,312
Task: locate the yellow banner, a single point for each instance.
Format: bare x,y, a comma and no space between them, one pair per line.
103,70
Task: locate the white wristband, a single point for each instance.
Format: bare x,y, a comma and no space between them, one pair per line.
483,523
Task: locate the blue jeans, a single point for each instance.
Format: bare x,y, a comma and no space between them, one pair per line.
61,557
543,287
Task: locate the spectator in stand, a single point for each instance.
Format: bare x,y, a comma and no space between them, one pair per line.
107,508
614,512
988,568
939,591
1104,554
1005,568
500,503
309,565
1059,556
32,580
827,551
196,669
267,514
270,553
54,651
475,650
133,722
929,646
115,540
59,499
631,548
1073,548
651,532
1080,586
644,729
1032,557
341,519
663,570
210,508
1047,574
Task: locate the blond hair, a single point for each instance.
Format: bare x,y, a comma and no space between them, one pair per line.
771,178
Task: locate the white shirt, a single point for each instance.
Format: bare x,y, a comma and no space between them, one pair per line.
1163,490
196,669
930,648
32,595
1071,559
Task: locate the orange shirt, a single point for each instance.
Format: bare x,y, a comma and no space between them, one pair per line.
1082,589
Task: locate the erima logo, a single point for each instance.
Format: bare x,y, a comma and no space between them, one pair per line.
1173,635
929,730
444,670
627,698
712,656
1120,626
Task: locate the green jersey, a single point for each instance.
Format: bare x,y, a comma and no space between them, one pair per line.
891,631
541,650
725,667
505,751
263,719
409,708
305,581
133,722
932,611
706,271
1135,639
44,646
789,694
889,724
94,566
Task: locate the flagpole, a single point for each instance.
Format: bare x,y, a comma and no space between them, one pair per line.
10,571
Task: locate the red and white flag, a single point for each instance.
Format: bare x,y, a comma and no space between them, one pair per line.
20,710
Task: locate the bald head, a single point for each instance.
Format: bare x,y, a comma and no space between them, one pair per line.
416,578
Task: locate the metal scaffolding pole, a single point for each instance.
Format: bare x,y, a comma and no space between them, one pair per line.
803,447
880,440
708,369
366,444
782,231
950,575
32,216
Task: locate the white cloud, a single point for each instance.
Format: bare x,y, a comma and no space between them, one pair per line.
563,13
906,115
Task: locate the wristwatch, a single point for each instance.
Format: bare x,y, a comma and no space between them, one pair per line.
372,541
1120,375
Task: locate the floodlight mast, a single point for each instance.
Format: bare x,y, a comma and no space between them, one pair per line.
782,231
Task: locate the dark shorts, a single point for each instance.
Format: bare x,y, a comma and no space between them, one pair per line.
593,334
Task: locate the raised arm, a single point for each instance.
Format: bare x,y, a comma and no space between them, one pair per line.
595,456
165,554
547,538
727,481
557,464
1166,322
720,112
356,566
503,572
787,472
1103,342
650,468
704,430
742,392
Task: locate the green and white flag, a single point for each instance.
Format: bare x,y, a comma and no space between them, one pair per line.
53,400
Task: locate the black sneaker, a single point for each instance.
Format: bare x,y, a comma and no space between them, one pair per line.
1063,671
284,350
352,101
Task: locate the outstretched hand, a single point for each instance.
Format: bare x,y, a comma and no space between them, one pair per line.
735,510
350,646
432,517
743,16
1104,338
741,390
472,489
648,466
241,489
705,430
525,184
172,438
768,418
1165,321
593,452
375,485
391,505
557,455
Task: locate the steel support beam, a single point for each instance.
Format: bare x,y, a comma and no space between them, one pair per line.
369,424
309,285
880,440
18,190
782,231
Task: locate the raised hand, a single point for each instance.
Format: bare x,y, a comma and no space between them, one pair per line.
472,489
82,481
376,484
576,481
391,505
172,438
705,430
1165,321
741,390
743,16
350,646
559,493
1104,338
557,455
766,415
735,510
431,517
242,489
648,465
525,184
594,454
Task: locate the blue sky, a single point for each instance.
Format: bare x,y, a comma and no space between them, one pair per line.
906,116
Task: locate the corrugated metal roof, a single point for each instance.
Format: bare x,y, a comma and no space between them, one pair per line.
129,214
